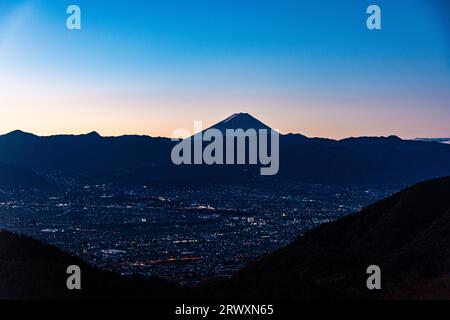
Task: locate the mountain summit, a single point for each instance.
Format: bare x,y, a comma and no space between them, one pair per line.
18,134
242,121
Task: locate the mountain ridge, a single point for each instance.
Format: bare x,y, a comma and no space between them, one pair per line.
239,120
242,121
145,160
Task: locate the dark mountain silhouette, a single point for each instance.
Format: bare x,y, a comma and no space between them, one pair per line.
16,177
19,135
363,160
405,234
441,140
87,156
146,160
240,121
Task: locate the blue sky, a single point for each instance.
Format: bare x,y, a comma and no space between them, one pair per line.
152,67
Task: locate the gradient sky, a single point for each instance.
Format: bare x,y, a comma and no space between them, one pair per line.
150,67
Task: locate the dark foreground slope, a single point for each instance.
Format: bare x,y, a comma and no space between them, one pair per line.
407,235
30,269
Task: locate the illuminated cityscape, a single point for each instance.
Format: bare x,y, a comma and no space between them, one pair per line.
186,235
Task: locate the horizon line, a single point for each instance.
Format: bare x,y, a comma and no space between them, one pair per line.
96,133
245,114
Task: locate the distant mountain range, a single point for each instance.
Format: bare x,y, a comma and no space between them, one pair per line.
406,235
143,160
441,140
